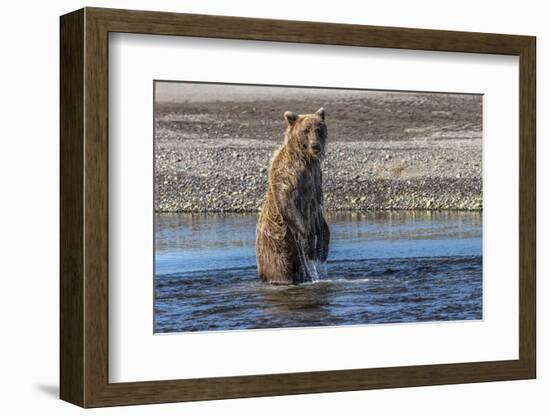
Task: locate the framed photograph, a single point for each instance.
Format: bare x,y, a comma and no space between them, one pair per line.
255,207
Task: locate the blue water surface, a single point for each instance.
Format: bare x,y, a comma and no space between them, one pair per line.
383,267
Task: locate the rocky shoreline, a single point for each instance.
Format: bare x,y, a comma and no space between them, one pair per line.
231,176
214,157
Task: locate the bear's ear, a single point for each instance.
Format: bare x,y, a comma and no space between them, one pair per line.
321,113
290,117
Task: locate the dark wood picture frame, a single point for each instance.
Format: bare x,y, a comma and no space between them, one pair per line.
84,207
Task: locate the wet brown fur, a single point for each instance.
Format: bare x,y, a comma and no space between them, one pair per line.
292,213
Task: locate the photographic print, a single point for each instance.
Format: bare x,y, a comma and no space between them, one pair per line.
293,207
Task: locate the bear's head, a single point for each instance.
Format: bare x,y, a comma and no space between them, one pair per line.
307,133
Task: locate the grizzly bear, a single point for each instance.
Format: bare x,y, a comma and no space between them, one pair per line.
292,234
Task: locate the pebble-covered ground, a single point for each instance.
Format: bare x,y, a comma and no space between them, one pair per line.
385,151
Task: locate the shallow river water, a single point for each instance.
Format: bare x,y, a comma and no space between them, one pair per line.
383,267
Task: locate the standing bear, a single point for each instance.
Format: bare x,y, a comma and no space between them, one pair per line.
292,234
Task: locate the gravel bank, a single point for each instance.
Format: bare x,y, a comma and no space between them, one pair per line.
385,151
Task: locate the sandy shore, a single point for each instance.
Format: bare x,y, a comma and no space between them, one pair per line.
385,151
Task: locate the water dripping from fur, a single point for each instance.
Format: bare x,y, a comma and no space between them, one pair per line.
311,270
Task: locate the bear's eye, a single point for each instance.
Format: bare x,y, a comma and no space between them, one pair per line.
306,130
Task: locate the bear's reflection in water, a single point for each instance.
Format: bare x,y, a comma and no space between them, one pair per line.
310,302
306,297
